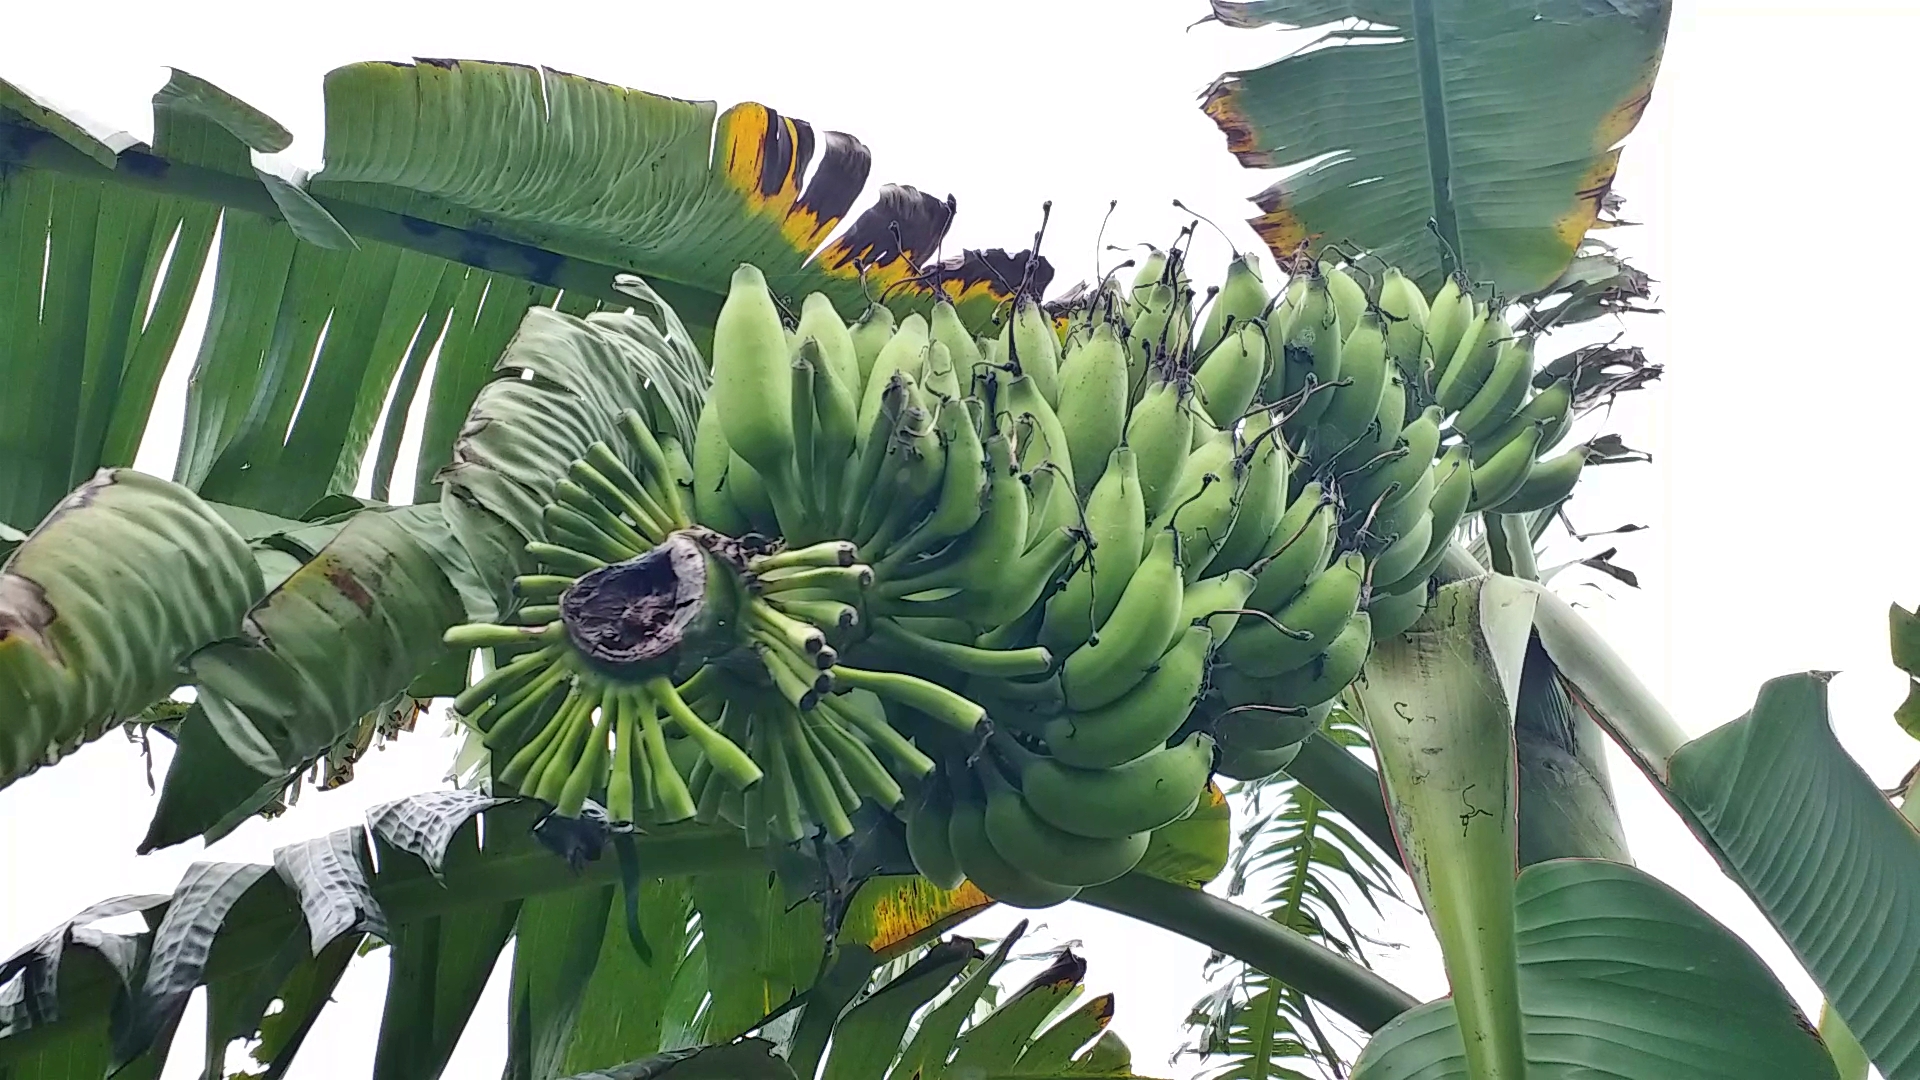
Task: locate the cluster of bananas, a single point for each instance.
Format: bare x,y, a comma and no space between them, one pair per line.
1403,415
984,581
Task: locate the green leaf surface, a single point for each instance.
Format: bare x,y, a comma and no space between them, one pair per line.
1193,850
992,1046
867,1038
556,945
759,952
1621,977
624,1010
926,1053
178,956
99,606
1498,120
328,874
439,967
751,1059
1439,701
425,824
1832,864
242,1007
1052,1051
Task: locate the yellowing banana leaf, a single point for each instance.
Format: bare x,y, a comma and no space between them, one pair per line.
1193,850
1496,120
1622,977
454,195
1439,702
891,914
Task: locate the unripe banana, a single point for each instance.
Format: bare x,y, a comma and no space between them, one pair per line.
1552,406
905,352
1447,319
987,868
1035,347
1408,548
1263,497
1230,373
1322,678
1384,432
1547,484
1152,269
1349,299
1158,328
1217,602
1242,299
1320,610
1502,475
1449,504
1504,392
1364,366
1116,521
1406,314
1473,360
1239,763
1397,513
1027,842
713,505
1046,440
1297,549
1204,501
836,428
750,496
1050,504
820,323
1137,796
752,385
986,552
1393,613
1389,479
1133,637
928,841
869,335
946,328
1256,728
940,376
1312,361
1160,431
1093,401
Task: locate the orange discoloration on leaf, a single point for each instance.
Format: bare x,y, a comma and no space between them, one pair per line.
1624,117
914,907
1222,103
1588,199
1285,234
1103,1010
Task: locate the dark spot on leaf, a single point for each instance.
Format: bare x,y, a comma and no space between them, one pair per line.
902,221
842,174
342,579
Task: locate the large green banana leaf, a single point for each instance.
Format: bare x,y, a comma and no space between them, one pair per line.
1790,817
1498,121
1622,977
455,194
446,894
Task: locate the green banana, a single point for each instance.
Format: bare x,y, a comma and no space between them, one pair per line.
1311,360
1548,483
1230,373
1050,503
1349,298
1399,558
1384,432
1447,319
1205,501
1034,347
1394,613
821,324
1319,610
905,352
1322,678
1364,367
1388,480
989,871
1239,763
1028,843
1447,507
751,387
996,540
1160,431
1397,513
1552,407
963,484
1093,401
870,335
713,504
1140,720
1406,313
963,353
1504,392
1138,631
1263,496
1297,549
1473,361
1242,299
941,377
1217,601
1257,725
1116,522
1048,441
1502,475
1152,790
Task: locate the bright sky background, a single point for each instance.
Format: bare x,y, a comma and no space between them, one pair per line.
1766,552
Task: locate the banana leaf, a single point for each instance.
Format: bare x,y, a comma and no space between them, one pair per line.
1620,976
454,195
1497,121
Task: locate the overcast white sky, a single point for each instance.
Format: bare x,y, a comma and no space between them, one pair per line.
1766,172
